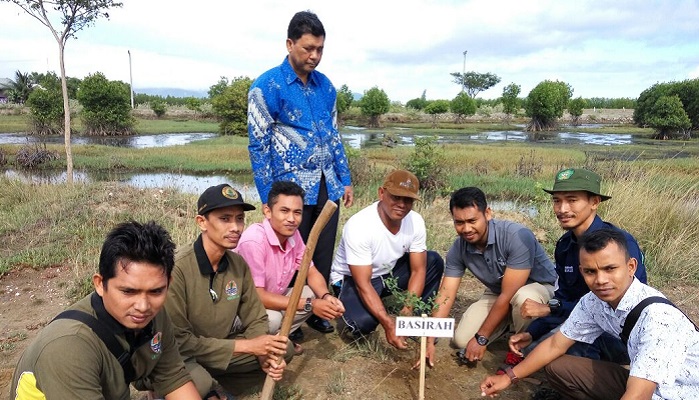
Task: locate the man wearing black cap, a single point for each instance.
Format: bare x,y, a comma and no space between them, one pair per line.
221,324
576,195
385,239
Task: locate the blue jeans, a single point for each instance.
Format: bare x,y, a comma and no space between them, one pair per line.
358,318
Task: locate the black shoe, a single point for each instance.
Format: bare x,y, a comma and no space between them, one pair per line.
320,325
296,336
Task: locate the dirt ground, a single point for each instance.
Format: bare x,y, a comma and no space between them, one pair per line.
330,367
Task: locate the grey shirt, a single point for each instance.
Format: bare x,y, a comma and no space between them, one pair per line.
510,245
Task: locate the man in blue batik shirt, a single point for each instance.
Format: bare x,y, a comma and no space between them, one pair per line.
292,126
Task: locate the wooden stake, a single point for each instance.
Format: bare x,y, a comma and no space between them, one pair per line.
327,212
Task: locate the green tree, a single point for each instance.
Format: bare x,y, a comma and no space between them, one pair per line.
231,107
217,88
106,106
428,164
46,110
418,103
546,103
159,108
462,105
373,104
71,16
344,99
473,82
193,104
668,117
575,109
510,99
20,87
687,91
436,107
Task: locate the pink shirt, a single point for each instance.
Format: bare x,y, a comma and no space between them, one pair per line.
272,267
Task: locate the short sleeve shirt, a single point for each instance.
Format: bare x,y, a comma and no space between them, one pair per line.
67,360
510,245
663,346
366,241
272,266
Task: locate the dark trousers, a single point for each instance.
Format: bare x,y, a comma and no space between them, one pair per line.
323,254
357,316
583,378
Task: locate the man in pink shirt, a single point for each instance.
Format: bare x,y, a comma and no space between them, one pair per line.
273,249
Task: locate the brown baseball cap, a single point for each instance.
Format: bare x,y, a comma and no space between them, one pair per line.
220,196
402,183
578,179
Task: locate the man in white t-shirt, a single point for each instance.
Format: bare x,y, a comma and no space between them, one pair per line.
385,240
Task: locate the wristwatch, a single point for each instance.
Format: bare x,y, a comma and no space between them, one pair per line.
481,340
308,307
554,304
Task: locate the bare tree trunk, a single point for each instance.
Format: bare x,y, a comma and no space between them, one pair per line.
66,115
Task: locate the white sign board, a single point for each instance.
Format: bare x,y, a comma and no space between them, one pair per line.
425,326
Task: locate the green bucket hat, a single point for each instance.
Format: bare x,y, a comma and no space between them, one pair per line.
573,180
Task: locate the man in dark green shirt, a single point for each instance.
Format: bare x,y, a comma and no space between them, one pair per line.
221,323
68,360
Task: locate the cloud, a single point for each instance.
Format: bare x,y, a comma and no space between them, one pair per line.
602,48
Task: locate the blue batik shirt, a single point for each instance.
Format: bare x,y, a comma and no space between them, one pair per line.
293,133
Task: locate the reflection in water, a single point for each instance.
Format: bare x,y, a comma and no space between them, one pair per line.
185,183
508,205
358,139
135,141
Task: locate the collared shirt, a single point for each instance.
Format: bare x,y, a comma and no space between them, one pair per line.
67,360
366,241
205,326
571,285
271,264
510,245
293,133
663,346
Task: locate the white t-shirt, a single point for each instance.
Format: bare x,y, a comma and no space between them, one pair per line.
366,241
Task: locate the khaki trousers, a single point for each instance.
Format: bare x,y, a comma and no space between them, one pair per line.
477,312
276,317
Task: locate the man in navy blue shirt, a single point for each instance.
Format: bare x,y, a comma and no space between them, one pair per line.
575,195
292,127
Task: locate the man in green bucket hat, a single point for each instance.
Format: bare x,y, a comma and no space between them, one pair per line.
576,195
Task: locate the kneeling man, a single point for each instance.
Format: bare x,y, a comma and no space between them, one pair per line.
274,249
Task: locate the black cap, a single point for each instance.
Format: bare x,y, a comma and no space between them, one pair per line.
221,196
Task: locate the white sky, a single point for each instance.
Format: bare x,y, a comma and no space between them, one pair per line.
601,48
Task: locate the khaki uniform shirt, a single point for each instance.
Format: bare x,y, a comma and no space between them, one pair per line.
205,326
67,360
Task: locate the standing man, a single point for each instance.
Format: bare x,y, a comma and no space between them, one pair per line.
220,322
576,195
292,126
385,239
506,257
663,345
274,249
69,360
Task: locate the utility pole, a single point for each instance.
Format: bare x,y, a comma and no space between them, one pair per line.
463,74
131,77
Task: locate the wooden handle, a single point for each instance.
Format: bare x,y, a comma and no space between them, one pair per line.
322,220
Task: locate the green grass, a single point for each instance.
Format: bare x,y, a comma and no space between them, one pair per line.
13,123
20,123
